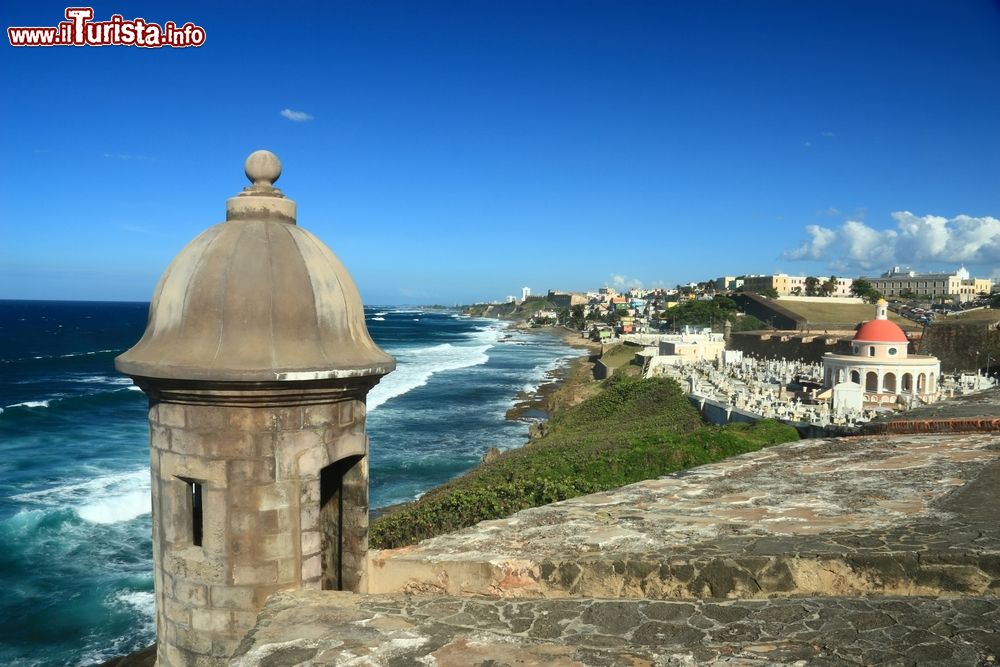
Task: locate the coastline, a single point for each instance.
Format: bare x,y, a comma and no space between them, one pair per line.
570,383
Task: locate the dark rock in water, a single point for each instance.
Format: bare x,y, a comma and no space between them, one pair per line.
490,455
144,658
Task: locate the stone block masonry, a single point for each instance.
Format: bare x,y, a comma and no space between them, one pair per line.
262,522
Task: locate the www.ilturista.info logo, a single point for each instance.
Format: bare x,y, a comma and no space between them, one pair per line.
79,29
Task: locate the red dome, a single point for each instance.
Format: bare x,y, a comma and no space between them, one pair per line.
880,331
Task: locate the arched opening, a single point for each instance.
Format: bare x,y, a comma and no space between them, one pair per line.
921,383
856,377
871,381
871,351
343,520
907,382
930,383
889,383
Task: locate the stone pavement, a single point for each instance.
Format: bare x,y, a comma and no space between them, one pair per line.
870,550
346,629
854,551
900,515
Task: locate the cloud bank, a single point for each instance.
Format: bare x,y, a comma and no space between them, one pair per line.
915,240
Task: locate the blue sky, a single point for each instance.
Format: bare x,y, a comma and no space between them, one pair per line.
457,151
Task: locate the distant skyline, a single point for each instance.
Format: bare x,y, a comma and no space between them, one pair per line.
450,152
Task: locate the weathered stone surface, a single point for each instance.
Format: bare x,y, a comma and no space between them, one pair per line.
337,629
900,515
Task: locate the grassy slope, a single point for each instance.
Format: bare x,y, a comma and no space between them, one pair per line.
819,314
633,430
986,316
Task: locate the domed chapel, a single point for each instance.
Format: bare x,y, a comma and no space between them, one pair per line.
881,363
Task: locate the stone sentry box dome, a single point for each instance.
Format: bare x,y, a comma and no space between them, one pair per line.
256,361
256,299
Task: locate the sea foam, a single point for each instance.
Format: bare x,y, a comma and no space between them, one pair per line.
415,367
110,498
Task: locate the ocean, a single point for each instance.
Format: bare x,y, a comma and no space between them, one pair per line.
75,546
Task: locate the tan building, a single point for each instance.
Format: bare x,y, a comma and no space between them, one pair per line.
566,299
957,287
881,364
842,288
727,283
786,285
782,283
256,383
690,348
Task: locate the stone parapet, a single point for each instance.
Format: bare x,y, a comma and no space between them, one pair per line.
904,515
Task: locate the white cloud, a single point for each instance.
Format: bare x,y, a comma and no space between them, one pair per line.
807,144
624,282
828,134
918,240
296,116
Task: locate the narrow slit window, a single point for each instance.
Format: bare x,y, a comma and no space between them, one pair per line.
197,509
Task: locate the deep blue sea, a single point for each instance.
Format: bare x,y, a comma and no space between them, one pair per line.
75,548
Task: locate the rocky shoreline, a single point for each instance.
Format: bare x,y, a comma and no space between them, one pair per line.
564,386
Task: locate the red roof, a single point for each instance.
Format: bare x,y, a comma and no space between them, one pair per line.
880,331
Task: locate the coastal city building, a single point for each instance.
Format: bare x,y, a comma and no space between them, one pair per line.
881,365
957,287
728,283
782,283
786,285
690,347
525,293
566,299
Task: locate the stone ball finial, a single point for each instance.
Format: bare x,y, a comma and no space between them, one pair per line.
263,168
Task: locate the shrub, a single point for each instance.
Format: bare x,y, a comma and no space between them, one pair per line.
633,430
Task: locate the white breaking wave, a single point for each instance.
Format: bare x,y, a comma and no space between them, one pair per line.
62,356
415,367
106,499
30,404
540,373
379,319
141,605
141,601
103,379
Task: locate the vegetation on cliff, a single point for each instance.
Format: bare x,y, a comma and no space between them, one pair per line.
633,430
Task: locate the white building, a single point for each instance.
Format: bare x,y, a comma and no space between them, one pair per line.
525,293
880,363
958,287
